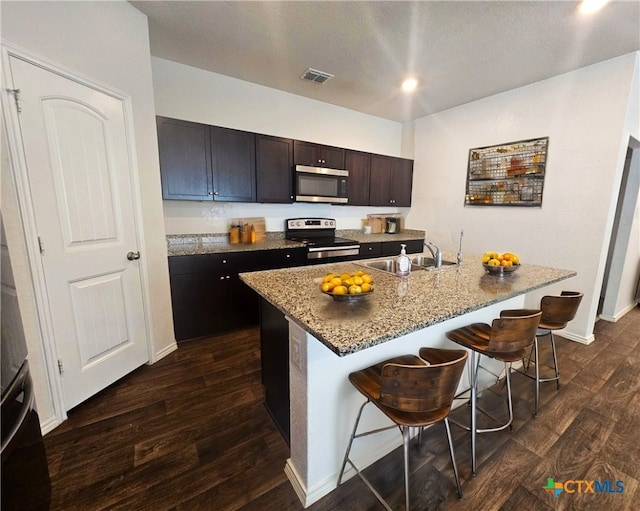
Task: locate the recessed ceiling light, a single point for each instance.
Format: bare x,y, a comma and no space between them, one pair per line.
409,84
589,6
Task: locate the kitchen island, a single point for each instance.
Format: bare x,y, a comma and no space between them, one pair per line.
329,339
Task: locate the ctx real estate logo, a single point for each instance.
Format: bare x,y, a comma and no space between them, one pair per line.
582,486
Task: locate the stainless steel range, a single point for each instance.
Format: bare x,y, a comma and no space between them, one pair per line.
319,236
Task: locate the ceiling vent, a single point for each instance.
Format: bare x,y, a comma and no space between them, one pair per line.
316,76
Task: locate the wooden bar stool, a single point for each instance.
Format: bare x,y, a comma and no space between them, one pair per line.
507,340
412,392
557,311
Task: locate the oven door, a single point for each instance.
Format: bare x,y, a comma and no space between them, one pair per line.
315,184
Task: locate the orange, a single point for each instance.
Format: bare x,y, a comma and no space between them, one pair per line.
328,277
336,281
327,286
506,262
347,282
367,278
366,287
345,276
357,281
339,290
359,273
355,290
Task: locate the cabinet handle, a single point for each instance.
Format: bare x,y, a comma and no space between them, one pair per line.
288,256
215,193
210,193
224,261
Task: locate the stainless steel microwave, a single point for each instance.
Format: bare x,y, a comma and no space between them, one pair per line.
316,184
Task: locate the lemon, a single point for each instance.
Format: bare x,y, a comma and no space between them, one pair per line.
339,290
355,290
366,287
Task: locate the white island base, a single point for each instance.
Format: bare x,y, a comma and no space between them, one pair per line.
324,404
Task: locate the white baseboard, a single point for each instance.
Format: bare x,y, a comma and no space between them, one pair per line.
613,319
308,496
576,338
164,352
49,425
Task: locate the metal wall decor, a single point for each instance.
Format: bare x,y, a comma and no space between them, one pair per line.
508,174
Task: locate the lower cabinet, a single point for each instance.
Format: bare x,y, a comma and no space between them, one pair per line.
392,248
274,345
209,298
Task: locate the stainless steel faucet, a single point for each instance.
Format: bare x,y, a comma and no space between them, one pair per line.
435,253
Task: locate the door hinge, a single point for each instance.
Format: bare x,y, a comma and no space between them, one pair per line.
41,245
16,97
60,368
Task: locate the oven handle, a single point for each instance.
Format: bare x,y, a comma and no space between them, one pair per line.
335,249
22,382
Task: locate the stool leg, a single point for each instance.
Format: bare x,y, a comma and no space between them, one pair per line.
537,354
474,398
453,457
406,437
353,434
555,360
507,367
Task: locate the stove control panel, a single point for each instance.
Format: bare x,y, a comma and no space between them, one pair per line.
310,223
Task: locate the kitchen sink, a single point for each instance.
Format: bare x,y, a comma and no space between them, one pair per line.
418,263
428,263
388,265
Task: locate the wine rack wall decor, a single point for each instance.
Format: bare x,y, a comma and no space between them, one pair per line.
508,174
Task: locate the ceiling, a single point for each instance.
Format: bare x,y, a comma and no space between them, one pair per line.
459,51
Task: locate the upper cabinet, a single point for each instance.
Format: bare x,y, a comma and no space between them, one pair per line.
391,181
316,155
201,162
233,160
274,163
204,163
359,166
185,160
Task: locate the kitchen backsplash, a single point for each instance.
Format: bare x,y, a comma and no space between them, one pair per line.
185,217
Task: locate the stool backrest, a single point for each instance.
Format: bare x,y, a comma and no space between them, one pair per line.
412,388
559,310
513,330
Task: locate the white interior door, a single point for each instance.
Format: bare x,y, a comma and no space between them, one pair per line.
77,157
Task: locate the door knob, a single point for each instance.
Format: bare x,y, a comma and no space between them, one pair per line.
132,256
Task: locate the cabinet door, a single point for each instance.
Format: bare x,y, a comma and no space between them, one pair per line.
401,182
185,159
274,169
332,157
234,165
370,250
379,185
358,164
316,155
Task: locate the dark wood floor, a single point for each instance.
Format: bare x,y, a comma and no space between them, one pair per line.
191,433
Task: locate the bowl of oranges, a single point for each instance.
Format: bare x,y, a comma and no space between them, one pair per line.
347,287
499,264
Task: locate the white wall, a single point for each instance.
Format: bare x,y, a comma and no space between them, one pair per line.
109,43
192,94
585,116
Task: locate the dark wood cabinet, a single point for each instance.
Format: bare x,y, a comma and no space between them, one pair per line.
392,248
208,296
274,169
233,160
391,181
201,162
358,164
274,357
370,250
316,155
185,159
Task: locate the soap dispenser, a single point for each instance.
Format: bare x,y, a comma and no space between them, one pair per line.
403,264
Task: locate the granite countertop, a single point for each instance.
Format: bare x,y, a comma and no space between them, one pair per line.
196,244
397,306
